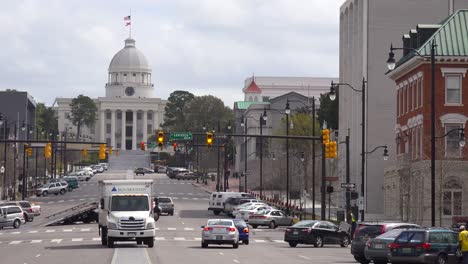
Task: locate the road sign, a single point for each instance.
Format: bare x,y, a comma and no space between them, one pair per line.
348,185
181,136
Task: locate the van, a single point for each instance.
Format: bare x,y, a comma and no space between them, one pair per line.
218,199
11,215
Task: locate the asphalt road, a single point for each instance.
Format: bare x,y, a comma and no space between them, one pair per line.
177,237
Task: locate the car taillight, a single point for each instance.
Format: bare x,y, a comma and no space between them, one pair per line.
393,246
207,228
425,246
251,213
31,210
308,230
288,230
246,230
231,229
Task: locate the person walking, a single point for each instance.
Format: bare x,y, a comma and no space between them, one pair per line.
353,224
463,239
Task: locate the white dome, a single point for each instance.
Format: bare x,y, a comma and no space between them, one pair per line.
129,59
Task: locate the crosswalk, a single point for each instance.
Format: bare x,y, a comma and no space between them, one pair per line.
95,239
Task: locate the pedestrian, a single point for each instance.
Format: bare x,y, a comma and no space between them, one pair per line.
353,224
463,239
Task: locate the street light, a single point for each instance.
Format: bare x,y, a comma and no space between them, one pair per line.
263,118
391,64
287,111
332,96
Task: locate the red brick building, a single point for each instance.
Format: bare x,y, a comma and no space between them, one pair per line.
407,184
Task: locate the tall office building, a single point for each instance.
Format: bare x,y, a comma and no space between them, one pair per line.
367,27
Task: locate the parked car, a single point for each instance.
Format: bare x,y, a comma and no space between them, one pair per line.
243,206
217,200
220,231
166,204
162,169
139,171
368,230
104,165
377,250
243,230
186,176
148,171
317,233
11,215
425,246
28,212
51,188
98,168
270,218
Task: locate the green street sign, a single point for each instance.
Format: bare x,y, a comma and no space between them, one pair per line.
181,136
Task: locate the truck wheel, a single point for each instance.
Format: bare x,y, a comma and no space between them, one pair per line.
110,242
104,236
45,193
16,223
150,242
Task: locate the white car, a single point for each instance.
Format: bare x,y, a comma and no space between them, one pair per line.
243,206
220,231
246,212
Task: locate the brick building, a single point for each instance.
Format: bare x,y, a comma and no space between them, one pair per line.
407,185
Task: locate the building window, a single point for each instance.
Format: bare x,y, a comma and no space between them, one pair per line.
139,115
452,198
401,101
265,98
150,116
108,128
119,115
421,92
108,141
125,77
250,98
416,94
453,88
407,99
452,141
108,115
413,96
149,129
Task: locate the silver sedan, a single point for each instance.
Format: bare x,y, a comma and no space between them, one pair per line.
270,218
220,231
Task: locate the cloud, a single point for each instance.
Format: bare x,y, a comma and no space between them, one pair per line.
55,48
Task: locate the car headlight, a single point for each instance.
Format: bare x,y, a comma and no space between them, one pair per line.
111,225
150,225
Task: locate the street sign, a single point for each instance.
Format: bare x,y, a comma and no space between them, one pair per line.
348,185
181,136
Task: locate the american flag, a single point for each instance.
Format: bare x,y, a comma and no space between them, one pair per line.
127,20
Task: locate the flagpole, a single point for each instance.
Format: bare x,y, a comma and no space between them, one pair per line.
130,23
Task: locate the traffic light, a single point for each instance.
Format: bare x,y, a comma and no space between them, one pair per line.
333,150
28,150
110,151
160,139
84,153
102,151
48,150
209,139
142,145
328,150
175,146
325,136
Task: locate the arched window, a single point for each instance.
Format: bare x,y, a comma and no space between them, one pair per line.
256,99
250,98
452,197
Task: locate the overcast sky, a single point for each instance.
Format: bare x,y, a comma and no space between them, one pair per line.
55,48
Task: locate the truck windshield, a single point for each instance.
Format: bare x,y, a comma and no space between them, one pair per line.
130,203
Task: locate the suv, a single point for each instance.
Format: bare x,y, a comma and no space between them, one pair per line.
166,204
11,215
51,188
28,212
367,230
425,246
140,171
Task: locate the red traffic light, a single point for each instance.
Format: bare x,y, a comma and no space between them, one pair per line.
175,146
142,145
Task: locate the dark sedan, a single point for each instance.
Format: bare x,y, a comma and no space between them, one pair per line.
140,171
317,233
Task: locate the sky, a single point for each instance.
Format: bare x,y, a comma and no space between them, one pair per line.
55,48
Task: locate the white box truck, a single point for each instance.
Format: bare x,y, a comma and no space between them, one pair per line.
126,211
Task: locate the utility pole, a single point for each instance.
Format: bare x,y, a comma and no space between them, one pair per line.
323,187
313,159
218,176
348,191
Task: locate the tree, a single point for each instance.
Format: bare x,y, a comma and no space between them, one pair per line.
46,119
328,111
83,112
174,116
206,111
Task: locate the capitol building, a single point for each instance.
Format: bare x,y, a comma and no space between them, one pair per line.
128,113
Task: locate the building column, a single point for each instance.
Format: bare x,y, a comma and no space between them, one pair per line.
113,128
102,118
145,125
122,134
156,119
134,131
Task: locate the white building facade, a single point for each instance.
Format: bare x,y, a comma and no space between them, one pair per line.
128,114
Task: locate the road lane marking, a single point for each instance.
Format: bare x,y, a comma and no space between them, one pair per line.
38,255
50,231
36,241
85,230
77,239
259,240
14,242
96,238
171,228
179,238
72,200
160,238
68,230
82,199
61,201
51,202
279,241
157,228
32,232
188,229
198,239
15,233
236,261
56,241
304,257
221,253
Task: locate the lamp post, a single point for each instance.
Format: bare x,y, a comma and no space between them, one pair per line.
391,63
263,118
332,96
287,111
244,124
